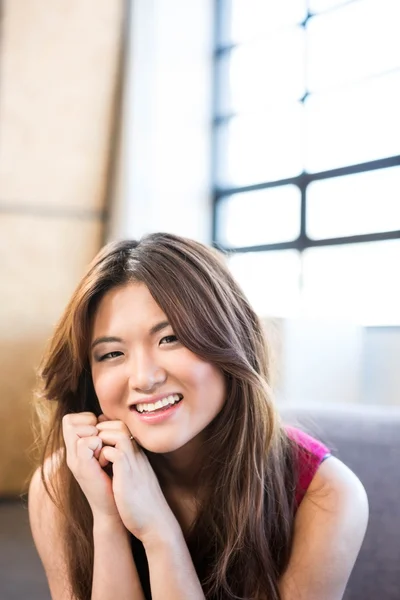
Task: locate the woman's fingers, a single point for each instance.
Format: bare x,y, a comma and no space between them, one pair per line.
87,436
86,446
117,457
114,425
115,432
78,425
103,461
102,418
83,449
76,419
118,438
96,453
84,430
110,454
114,435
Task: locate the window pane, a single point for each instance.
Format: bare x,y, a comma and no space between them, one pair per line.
353,126
354,281
270,280
265,147
249,19
260,72
355,25
354,205
260,217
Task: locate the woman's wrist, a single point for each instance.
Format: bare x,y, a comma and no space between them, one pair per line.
172,573
165,536
107,523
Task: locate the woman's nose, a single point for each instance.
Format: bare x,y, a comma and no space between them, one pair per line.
145,374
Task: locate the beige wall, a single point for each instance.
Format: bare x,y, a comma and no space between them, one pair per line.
59,64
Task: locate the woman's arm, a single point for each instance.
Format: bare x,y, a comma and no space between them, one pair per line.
329,529
114,570
43,519
146,513
172,573
114,575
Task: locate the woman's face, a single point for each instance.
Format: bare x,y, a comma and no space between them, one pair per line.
145,377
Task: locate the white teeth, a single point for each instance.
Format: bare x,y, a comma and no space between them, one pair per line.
169,400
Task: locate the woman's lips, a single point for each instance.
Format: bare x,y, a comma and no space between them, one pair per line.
159,415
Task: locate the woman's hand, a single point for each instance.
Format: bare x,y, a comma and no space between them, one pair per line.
141,504
83,446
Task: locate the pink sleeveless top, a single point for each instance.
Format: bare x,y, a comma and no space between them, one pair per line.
311,454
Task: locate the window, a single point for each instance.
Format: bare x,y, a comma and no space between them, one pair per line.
307,155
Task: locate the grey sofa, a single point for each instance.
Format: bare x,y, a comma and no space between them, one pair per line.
367,439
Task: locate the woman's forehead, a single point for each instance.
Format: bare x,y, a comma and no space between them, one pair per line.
131,303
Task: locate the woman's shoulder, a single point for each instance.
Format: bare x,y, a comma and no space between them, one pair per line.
42,480
329,529
329,524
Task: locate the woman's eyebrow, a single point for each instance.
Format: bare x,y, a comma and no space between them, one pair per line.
158,327
104,340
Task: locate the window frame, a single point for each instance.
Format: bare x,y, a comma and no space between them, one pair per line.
302,181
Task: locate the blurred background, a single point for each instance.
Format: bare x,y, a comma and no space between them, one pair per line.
268,128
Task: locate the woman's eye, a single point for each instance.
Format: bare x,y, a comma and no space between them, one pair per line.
168,339
109,355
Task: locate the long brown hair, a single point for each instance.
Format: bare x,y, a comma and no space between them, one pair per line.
241,539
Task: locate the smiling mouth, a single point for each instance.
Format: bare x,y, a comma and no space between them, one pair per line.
159,406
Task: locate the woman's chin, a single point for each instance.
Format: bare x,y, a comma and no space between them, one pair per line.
159,446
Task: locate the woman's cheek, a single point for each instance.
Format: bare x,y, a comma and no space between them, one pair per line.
106,388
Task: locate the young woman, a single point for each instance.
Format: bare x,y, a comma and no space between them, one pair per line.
166,471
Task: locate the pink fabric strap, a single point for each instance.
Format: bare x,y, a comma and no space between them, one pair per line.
310,456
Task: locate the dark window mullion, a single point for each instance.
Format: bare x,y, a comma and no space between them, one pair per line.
307,178
219,11
302,244
303,239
